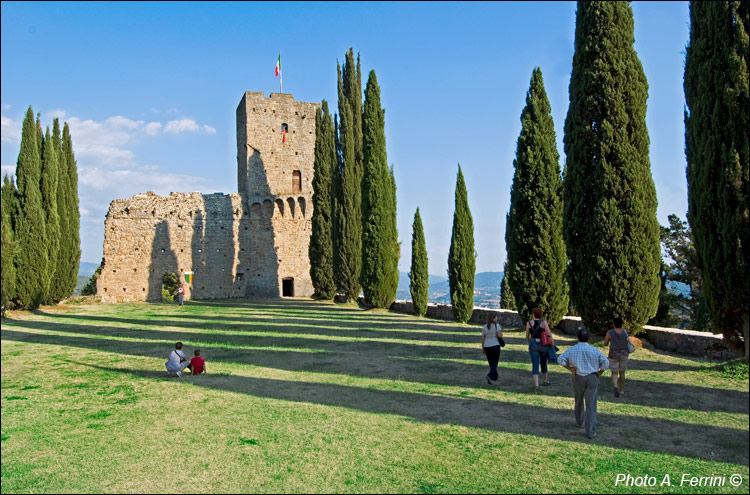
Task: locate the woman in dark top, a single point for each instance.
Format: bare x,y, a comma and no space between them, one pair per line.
539,353
617,338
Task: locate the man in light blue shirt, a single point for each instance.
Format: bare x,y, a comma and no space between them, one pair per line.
586,363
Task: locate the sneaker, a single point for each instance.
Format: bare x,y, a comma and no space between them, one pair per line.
179,374
591,437
547,383
617,392
489,382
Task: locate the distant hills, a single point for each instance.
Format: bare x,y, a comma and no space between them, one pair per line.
86,269
486,289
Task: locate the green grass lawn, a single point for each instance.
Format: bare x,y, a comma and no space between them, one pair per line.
306,396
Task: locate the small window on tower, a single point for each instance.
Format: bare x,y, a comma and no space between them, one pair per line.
296,182
284,128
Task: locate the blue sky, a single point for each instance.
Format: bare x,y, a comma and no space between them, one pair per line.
150,92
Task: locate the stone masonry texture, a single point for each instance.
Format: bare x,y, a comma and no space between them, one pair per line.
253,243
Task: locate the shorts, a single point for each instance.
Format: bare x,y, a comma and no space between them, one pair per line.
618,362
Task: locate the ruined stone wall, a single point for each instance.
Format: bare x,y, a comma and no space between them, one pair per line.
254,243
147,235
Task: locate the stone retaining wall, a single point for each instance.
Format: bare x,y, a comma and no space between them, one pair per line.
689,342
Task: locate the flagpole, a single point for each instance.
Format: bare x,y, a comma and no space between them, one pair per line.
280,90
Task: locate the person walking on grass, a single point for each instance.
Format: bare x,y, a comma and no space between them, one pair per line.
537,350
586,363
491,335
617,338
180,295
176,362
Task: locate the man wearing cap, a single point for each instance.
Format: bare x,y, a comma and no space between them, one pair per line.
586,363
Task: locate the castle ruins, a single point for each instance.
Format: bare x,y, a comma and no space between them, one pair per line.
250,244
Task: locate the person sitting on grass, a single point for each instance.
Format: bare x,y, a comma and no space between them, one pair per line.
198,364
176,362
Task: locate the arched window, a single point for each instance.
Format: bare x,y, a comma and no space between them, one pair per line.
302,204
290,202
280,206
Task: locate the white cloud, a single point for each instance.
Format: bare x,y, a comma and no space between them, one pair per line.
187,125
152,128
8,169
10,130
56,114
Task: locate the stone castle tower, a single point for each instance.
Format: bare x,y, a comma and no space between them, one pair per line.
253,243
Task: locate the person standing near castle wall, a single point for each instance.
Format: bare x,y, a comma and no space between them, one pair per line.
180,295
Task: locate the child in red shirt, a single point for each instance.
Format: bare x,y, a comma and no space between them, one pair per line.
198,364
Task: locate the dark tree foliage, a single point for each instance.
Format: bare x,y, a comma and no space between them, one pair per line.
506,295
58,289
49,188
461,257
321,242
609,211
348,255
379,276
681,266
90,288
533,236
32,257
718,157
419,278
8,243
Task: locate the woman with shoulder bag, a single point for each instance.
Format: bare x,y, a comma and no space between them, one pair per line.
535,329
492,339
617,338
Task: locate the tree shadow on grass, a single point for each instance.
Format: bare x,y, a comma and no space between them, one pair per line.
379,360
360,329
616,431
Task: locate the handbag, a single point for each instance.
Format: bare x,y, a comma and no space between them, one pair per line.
502,342
546,339
631,347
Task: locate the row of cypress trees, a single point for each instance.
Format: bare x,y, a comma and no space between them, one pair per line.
609,224
354,242
593,235
40,219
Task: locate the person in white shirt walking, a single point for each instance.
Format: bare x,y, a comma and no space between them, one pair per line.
586,363
176,362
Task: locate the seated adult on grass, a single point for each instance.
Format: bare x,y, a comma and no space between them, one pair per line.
176,362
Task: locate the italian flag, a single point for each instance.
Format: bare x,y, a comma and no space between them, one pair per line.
278,65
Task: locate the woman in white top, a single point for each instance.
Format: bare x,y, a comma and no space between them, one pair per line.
491,334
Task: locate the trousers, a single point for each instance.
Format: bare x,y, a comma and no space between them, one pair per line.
493,356
585,390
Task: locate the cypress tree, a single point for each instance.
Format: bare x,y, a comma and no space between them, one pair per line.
31,260
58,289
609,212
321,241
533,236
716,147
49,186
461,257
506,295
379,252
419,278
8,243
70,257
348,256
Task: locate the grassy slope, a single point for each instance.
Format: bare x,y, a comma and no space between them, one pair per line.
311,397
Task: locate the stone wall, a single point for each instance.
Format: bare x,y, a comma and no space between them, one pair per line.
254,243
689,342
